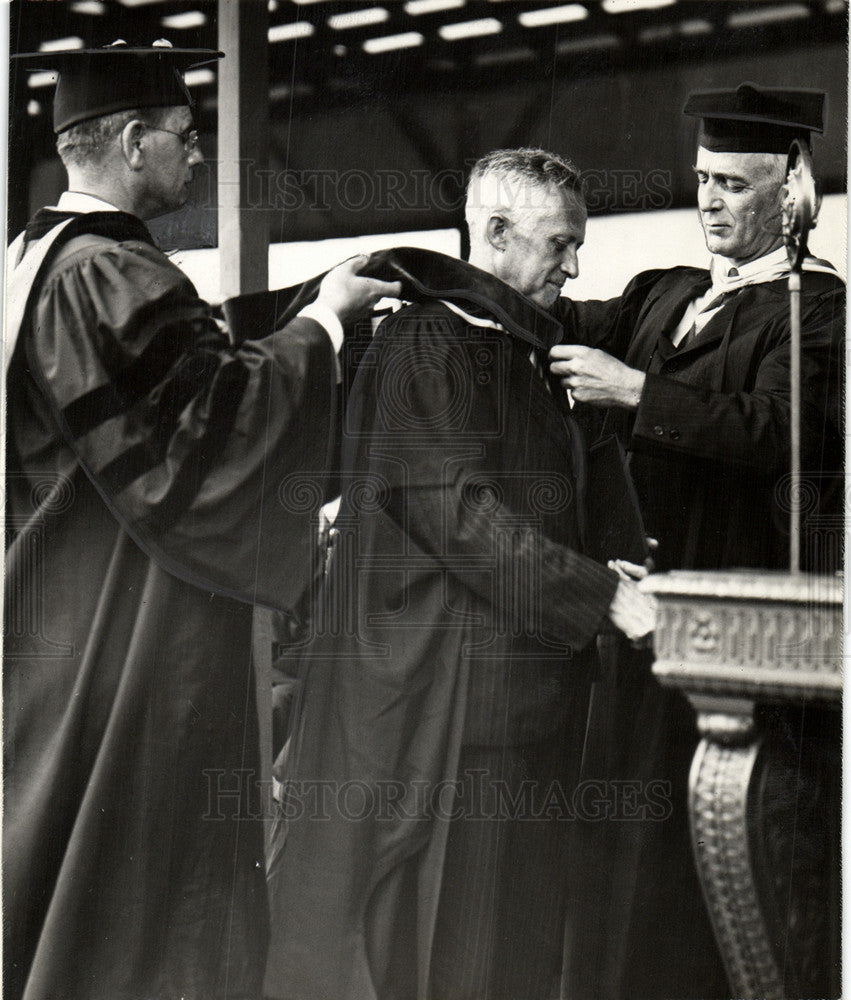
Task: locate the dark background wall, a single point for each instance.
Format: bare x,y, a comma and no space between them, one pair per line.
623,128
380,145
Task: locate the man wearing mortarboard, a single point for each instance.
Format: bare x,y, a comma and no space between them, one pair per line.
692,369
145,451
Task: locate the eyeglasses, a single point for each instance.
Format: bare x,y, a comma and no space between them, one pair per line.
189,136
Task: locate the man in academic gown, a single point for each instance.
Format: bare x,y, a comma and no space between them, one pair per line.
429,787
691,368
145,448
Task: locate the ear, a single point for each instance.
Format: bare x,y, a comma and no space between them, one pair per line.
496,232
132,143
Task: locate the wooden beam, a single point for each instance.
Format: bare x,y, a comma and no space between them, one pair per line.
243,129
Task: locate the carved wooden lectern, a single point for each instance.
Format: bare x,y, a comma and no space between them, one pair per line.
760,657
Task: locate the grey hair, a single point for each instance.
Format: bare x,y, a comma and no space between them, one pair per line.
534,164
86,142
498,170
775,166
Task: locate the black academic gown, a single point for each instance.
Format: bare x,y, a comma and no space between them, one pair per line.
709,447
458,610
144,459
710,439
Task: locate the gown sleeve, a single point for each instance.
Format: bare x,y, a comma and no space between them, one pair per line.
186,437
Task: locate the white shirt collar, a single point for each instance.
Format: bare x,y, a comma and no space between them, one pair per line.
753,267
764,268
76,201
727,276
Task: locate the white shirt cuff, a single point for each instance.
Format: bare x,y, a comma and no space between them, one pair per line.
327,318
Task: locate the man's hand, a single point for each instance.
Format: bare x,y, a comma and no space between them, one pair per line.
632,571
596,377
628,570
632,612
351,296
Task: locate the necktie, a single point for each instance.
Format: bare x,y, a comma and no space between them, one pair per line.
714,303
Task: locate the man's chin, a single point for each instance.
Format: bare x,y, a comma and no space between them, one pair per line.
175,206
547,297
717,245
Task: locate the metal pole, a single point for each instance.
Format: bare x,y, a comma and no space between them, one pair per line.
795,420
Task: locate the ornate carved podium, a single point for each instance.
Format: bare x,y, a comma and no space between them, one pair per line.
760,657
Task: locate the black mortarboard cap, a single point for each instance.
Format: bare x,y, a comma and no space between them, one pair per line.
117,77
754,119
